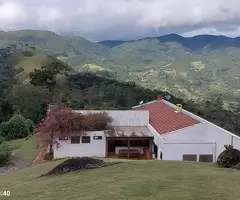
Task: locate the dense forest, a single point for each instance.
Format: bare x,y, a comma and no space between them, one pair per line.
55,83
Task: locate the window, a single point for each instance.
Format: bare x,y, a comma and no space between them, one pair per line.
206,158
75,139
63,137
189,157
97,137
85,139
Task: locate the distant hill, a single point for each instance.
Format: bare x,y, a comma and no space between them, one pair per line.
194,67
190,67
53,43
42,40
194,43
87,48
112,43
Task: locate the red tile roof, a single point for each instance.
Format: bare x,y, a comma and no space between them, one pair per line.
164,119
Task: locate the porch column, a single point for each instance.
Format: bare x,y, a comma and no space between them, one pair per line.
150,148
128,148
159,149
106,148
159,152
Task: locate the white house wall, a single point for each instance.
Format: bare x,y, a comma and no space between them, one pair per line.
196,133
173,151
94,148
124,118
158,140
222,137
213,133
190,140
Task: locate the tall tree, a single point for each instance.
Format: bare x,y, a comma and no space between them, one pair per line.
46,76
29,101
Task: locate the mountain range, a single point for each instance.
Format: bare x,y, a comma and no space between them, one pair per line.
190,67
194,43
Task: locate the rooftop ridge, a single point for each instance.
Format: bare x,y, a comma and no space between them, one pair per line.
145,103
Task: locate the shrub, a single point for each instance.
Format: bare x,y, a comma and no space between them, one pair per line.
1,139
5,154
229,158
17,127
4,129
31,125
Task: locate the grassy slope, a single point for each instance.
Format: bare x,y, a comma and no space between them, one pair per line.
129,180
88,49
43,40
27,148
28,61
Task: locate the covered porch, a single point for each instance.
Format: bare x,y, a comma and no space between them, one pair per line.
129,143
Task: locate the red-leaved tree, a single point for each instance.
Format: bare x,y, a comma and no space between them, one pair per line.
62,121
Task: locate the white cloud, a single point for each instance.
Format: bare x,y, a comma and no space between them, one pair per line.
11,12
123,19
48,16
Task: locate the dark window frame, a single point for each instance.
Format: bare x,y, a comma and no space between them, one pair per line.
86,139
77,141
202,155
63,138
195,156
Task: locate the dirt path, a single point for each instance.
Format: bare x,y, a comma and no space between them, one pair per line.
15,165
40,157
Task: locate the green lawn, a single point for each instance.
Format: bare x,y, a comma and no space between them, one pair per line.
27,148
131,180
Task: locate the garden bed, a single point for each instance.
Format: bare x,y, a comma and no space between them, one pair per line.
78,163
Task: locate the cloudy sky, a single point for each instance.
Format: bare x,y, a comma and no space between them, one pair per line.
123,19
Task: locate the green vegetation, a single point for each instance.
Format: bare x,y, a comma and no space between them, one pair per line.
100,91
30,79
162,64
17,127
41,40
5,153
204,66
28,100
47,75
129,180
229,158
26,148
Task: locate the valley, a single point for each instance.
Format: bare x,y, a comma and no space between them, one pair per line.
192,68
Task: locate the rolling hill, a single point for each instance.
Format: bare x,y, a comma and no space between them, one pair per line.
24,62
52,43
143,180
199,66
197,42
192,68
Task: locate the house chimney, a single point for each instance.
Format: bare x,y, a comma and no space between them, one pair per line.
159,97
